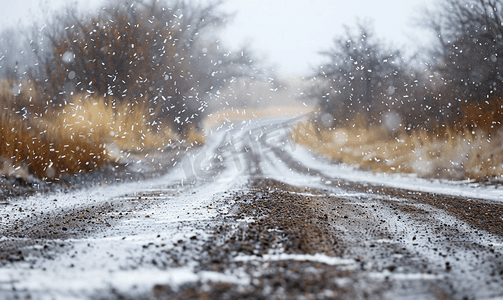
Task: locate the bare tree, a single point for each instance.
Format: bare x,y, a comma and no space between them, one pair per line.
469,49
359,78
142,51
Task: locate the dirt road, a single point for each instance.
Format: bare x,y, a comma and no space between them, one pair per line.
252,216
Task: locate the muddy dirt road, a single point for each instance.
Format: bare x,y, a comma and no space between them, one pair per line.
252,216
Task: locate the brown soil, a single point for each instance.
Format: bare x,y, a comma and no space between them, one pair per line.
361,227
309,221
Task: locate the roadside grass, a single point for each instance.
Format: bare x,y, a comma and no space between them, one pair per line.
30,151
124,125
225,116
81,137
455,152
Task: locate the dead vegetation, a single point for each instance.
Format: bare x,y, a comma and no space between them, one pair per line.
82,136
43,151
225,116
440,116
88,89
473,149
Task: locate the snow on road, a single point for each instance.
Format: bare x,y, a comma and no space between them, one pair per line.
463,188
182,204
119,258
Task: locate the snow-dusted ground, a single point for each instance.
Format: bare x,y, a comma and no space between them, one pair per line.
189,199
462,188
113,259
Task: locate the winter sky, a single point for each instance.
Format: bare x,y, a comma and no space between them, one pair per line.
289,33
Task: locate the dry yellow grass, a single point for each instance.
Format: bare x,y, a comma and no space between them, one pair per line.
229,115
445,153
81,137
123,125
29,149
26,151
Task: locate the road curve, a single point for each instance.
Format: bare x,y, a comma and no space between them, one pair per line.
252,215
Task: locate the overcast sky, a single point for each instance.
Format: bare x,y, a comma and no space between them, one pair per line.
292,32
289,33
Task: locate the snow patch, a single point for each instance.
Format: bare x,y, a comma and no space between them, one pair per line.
319,258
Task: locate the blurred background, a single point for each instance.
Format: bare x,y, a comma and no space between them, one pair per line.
288,34
391,86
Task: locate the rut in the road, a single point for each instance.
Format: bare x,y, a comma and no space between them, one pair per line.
274,217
